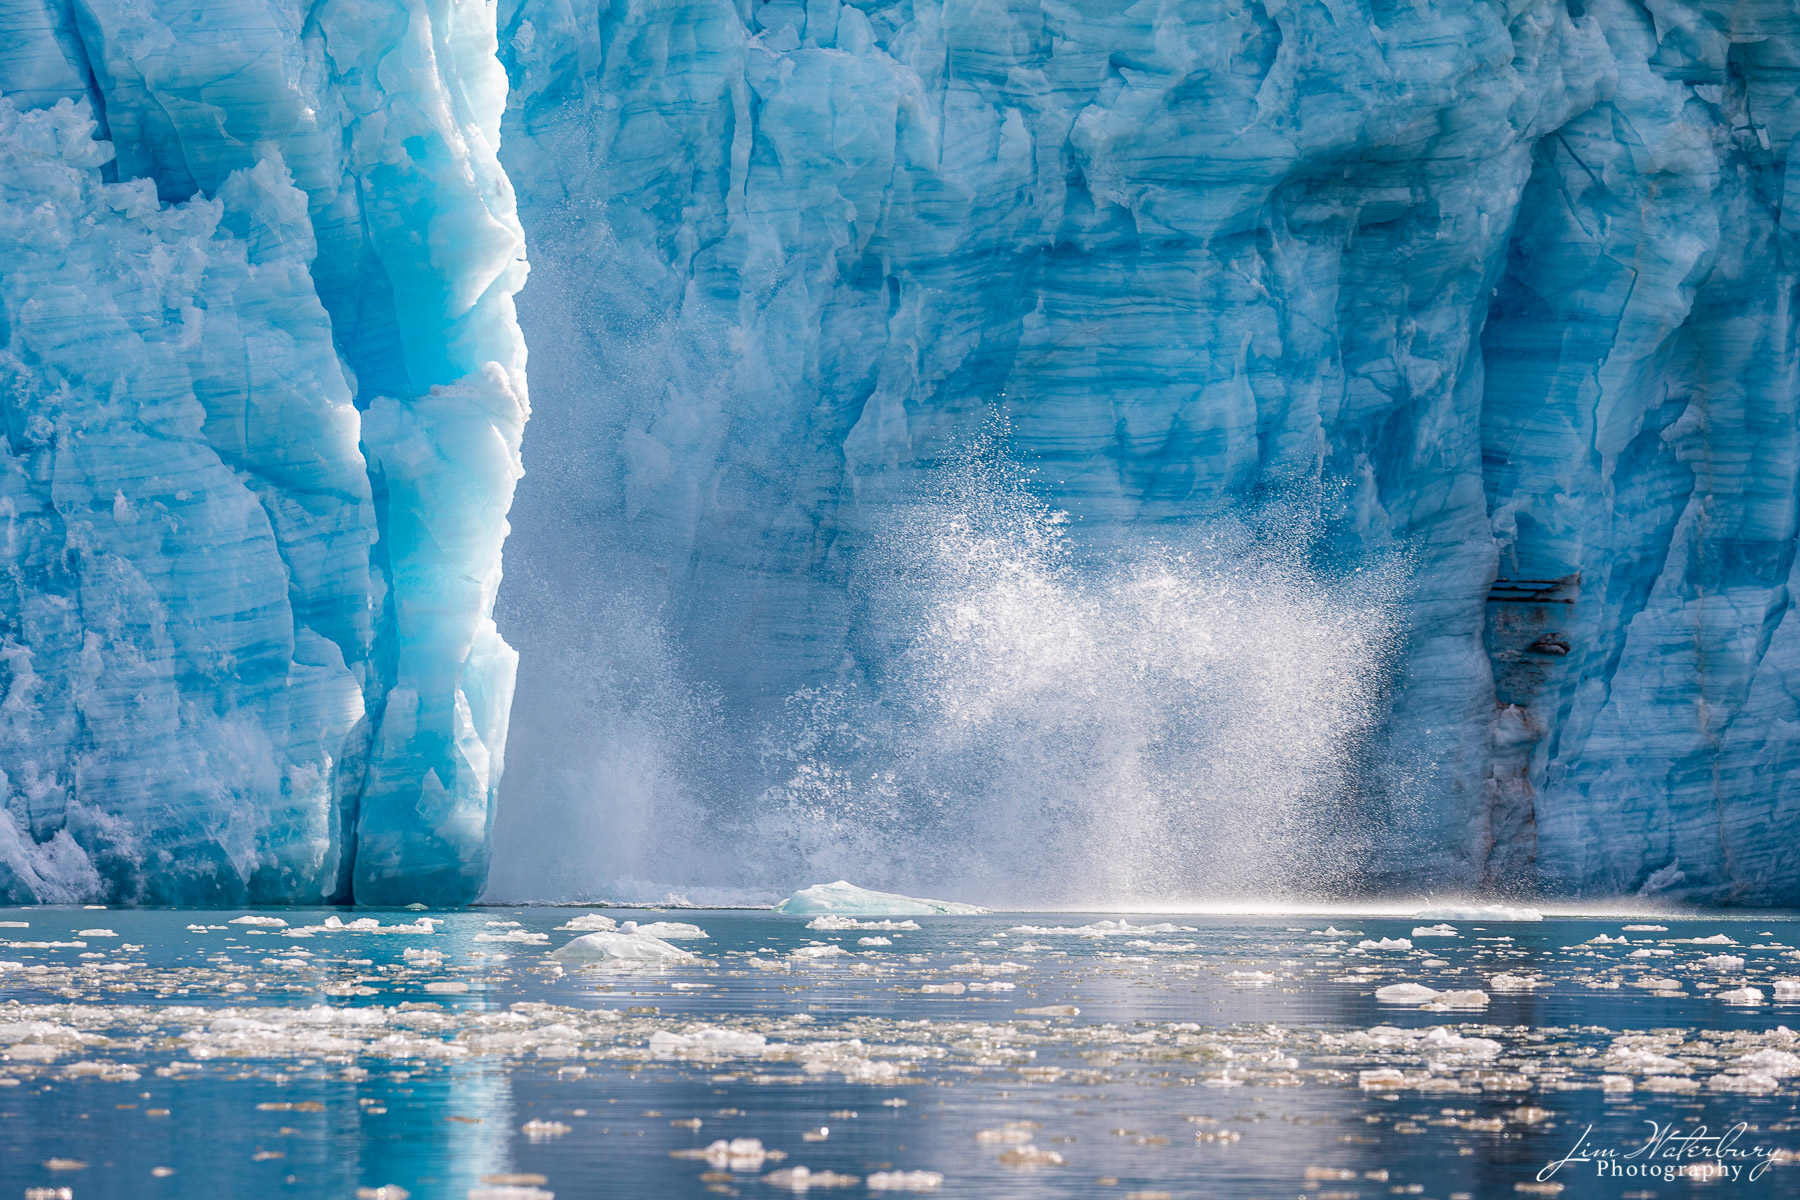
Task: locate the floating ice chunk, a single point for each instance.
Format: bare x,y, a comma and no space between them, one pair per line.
671,929
1722,962
1649,953
1646,929
904,1181
1743,995
1604,940
1717,939
621,946
95,933
1256,977
1385,944
1029,1157
1479,912
447,986
845,899
817,950
738,1154
1777,1064
707,1042
1405,993
253,919
1514,983
539,1130
1785,989
874,941
416,957
1436,931
1334,931
1380,1079
1465,998
510,1191
1050,1010
835,923
589,923
522,936
801,1179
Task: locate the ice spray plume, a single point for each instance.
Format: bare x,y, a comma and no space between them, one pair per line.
1116,717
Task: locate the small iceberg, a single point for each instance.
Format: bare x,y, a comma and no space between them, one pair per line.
627,944
846,899
1479,912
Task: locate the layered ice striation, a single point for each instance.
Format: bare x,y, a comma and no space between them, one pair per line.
1502,291
263,396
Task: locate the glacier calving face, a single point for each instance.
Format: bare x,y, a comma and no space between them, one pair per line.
1500,291
264,392
1507,287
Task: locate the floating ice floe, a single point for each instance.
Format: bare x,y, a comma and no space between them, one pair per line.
520,936
624,945
671,929
1515,983
738,1154
1646,929
1717,939
1478,912
904,1181
1787,989
874,941
828,922
803,1179
1405,993
1100,929
846,899
1436,931
1385,944
589,923
1721,962
253,919
1743,995
706,1041
1419,994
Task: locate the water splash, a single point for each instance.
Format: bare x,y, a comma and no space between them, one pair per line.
1049,717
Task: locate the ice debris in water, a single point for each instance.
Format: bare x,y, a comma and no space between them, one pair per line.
846,899
589,923
1722,962
1405,993
1384,944
624,945
1478,912
671,929
738,1154
253,919
801,1179
828,922
904,1181
708,1042
1100,929
1436,931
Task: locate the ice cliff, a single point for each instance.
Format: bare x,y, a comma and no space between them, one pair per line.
264,391
1500,291
1509,287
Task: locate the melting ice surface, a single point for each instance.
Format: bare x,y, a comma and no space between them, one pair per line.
1240,1057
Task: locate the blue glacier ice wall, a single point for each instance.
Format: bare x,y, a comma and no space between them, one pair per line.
1503,290
264,393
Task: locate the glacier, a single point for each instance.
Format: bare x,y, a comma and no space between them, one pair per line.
264,397
1502,291
1278,301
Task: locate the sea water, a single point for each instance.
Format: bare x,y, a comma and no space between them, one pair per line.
190,1053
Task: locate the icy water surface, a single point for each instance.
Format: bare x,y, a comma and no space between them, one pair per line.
180,1054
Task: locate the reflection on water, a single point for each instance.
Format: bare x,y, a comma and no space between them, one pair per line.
1027,1056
